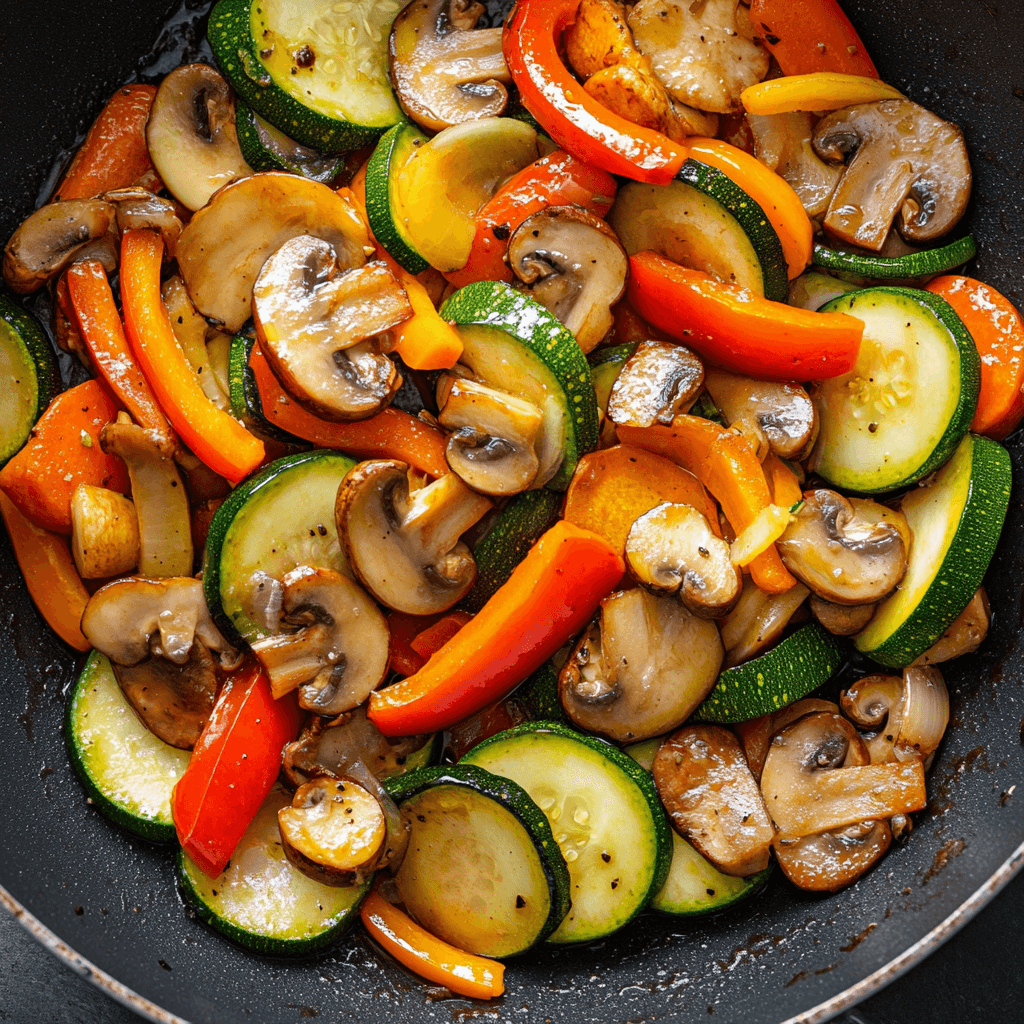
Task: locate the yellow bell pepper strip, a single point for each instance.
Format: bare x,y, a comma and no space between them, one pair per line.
775,196
727,466
550,596
424,954
50,574
220,441
820,90
575,120
739,331
768,526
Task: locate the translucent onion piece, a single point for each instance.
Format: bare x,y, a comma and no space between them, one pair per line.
925,713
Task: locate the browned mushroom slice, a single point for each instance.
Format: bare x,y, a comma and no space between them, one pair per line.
829,861
571,262
337,653
842,619
756,735
965,633
308,310
445,70
334,831
784,412
672,550
847,550
191,134
712,799
808,788
404,547
222,250
51,238
641,669
138,208
758,620
875,705
659,381
901,159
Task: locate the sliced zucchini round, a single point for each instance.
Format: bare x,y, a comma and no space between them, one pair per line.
605,366
482,870
907,403
703,220
512,342
956,520
812,289
280,519
126,770
795,667
264,903
896,268
244,393
605,815
267,149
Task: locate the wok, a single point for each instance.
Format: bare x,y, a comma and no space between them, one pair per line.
102,898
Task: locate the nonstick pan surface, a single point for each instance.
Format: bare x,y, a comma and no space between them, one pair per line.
108,904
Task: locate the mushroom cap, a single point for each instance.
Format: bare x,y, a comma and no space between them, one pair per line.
758,620
964,634
138,208
875,705
659,381
829,861
841,619
572,263
902,159
191,134
756,734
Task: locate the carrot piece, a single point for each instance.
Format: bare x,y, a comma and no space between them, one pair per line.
435,636
727,466
998,333
391,434
100,326
810,35
217,439
63,452
613,487
782,481
50,574
114,153
426,955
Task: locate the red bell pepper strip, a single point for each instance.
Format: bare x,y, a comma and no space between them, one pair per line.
558,179
403,628
62,452
100,327
435,636
391,434
576,121
810,35
739,331
550,595
217,439
998,333
233,767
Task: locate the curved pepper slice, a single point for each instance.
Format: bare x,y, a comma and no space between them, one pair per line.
820,90
576,121
740,331
550,595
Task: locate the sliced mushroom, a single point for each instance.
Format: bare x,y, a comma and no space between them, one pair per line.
875,705
847,550
222,250
784,412
492,447
673,550
758,620
334,831
902,159
965,633
191,134
445,70
756,734
712,799
659,381
308,310
404,547
841,619
337,653
641,669
830,861
571,262
51,238
138,208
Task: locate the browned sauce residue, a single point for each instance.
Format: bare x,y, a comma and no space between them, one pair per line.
795,979
945,854
855,942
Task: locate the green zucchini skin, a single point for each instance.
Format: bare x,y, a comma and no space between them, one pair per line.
538,694
896,268
260,157
244,394
797,666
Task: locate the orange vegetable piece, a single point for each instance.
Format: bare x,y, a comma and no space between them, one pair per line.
62,452
403,629
435,636
782,481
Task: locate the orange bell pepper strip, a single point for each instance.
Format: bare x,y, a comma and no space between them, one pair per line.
773,194
821,90
62,452
216,438
435,636
424,954
727,466
575,120
391,434
782,481
550,596
558,179
810,35
53,582
114,153
99,324
998,333
739,331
